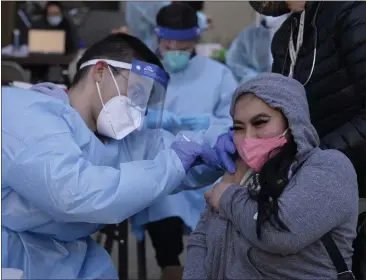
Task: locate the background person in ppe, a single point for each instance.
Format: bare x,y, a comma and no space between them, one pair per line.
141,20
60,183
250,53
199,92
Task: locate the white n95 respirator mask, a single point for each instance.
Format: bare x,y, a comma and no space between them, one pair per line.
119,116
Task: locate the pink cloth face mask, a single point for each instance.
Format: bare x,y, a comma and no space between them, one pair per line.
257,151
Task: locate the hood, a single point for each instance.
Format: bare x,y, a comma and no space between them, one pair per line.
289,96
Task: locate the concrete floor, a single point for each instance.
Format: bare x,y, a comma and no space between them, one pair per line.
153,271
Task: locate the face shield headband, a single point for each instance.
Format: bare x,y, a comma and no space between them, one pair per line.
178,34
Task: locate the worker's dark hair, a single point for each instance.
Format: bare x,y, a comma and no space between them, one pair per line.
53,3
120,47
177,16
197,5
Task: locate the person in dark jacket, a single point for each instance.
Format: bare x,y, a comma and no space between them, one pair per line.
328,56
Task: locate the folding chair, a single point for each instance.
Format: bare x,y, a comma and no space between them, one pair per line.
12,71
117,233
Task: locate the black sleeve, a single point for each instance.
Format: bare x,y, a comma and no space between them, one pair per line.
351,38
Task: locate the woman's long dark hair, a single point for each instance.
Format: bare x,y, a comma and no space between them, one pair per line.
273,179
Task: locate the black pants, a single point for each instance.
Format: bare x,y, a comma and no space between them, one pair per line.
167,239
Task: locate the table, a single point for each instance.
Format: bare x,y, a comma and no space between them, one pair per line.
47,60
62,60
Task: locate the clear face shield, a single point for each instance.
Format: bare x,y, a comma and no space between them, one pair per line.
137,110
147,86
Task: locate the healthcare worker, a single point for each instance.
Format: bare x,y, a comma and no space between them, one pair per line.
250,53
60,183
198,95
140,18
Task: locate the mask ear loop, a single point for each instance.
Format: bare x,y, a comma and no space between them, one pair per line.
284,133
98,87
119,93
100,95
114,80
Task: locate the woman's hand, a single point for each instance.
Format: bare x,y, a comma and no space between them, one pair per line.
213,196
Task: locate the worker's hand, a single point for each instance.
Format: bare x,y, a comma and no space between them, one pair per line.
53,90
225,149
213,196
169,121
191,153
120,30
195,123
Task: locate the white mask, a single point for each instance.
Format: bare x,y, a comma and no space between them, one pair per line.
118,117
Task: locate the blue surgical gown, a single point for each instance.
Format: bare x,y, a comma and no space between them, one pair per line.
141,20
60,184
250,53
205,87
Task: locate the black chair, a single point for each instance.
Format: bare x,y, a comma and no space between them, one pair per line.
12,71
117,233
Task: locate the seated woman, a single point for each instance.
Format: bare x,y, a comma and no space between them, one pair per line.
269,223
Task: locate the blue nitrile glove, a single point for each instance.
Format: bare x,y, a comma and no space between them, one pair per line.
53,90
196,123
169,121
191,153
225,149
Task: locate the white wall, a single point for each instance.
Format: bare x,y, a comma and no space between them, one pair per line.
229,18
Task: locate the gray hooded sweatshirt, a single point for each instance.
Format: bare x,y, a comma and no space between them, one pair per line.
321,197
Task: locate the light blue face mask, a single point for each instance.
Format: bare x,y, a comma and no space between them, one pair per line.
54,20
175,61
